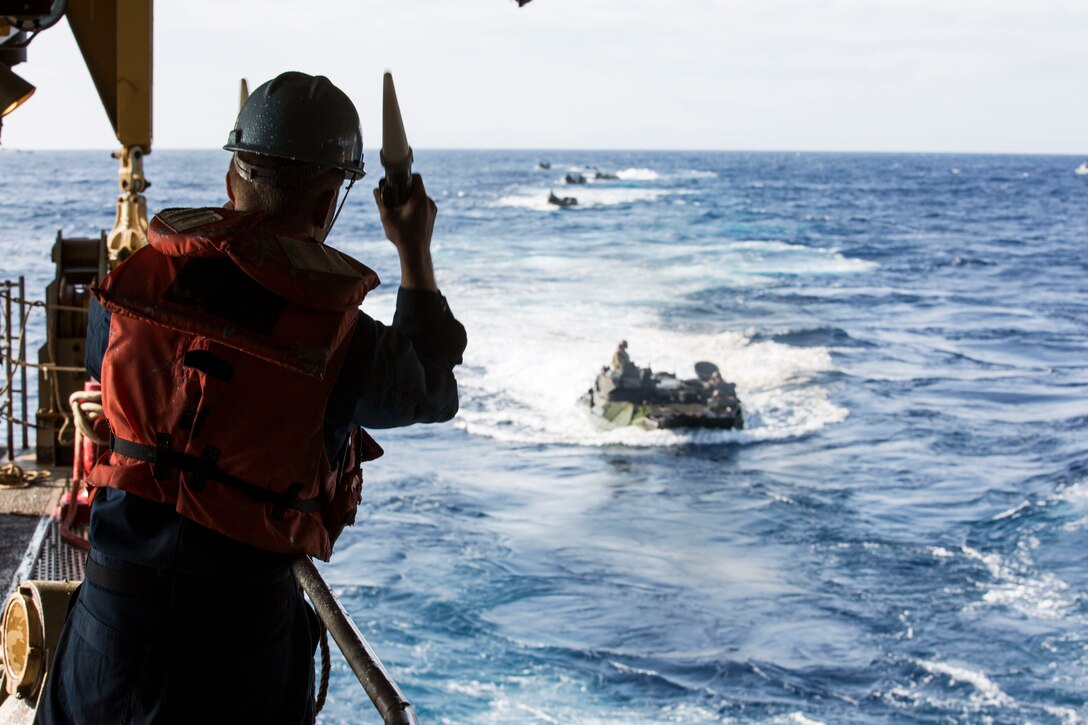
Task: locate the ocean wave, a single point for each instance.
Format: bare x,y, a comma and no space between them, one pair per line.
941,685
1065,715
1075,493
1013,512
697,174
545,698
1015,584
729,268
793,718
1075,496
638,174
987,693
783,258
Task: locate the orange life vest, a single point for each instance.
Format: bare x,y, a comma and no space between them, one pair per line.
224,346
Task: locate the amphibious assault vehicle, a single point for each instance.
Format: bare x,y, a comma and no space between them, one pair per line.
641,397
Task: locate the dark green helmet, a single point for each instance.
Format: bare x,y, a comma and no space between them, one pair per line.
303,118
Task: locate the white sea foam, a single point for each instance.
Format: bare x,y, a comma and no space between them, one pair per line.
534,352
536,349
588,196
987,693
1065,715
1013,511
638,175
1014,583
528,388
984,696
1076,493
1074,497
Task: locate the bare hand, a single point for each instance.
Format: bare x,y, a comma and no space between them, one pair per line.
409,227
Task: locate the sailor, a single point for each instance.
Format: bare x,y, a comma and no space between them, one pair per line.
237,371
620,358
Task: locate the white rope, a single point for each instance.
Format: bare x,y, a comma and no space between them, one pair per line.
86,408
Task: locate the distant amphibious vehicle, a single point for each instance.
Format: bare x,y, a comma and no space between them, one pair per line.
561,201
629,395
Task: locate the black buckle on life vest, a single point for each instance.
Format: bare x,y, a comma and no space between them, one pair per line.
201,473
160,469
285,500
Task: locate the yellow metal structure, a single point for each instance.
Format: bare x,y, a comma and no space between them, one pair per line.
29,630
115,37
129,231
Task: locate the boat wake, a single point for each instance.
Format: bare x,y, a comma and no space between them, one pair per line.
529,393
589,197
599,188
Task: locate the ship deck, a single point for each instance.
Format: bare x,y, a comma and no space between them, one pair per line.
30,542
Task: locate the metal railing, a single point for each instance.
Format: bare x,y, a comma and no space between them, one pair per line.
14,316
380,687
11,361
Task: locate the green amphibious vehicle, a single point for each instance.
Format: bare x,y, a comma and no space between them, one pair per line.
640,397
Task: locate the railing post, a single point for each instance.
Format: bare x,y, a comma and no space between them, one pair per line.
380,687
9,379
22,360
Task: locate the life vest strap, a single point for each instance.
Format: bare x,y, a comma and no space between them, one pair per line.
204,468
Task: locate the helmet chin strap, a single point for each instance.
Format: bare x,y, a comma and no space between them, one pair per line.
341,207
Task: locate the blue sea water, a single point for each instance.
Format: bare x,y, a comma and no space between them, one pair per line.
897,536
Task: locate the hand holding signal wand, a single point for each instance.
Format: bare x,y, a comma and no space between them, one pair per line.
407,213
396,154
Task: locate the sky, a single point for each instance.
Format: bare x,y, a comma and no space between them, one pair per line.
1006,76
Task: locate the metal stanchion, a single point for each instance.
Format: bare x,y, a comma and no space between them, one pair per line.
22,357
380,687
9,401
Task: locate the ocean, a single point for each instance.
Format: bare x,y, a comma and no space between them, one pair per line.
897,535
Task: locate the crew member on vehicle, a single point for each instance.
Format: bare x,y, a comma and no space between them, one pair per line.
237,373
620,358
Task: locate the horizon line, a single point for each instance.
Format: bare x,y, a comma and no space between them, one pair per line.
575,149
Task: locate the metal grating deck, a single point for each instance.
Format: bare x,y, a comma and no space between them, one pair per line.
57,561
